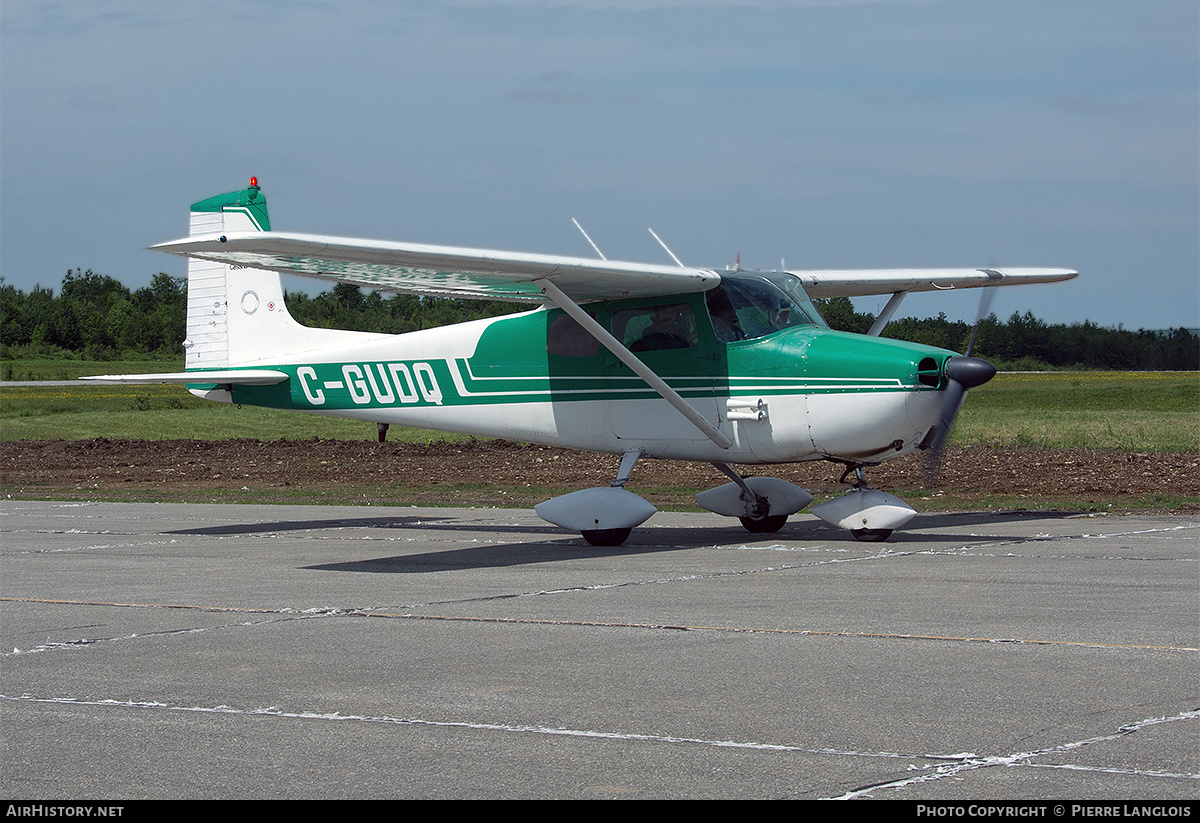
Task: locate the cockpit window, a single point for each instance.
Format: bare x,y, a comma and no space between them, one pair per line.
791,286
746,306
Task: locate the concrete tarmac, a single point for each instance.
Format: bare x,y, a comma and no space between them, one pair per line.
225,651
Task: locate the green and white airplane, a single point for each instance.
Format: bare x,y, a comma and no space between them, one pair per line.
629,359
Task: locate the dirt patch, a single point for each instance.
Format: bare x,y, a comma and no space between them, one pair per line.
445,472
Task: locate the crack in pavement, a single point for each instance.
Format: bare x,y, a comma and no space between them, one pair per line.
945,765
973,762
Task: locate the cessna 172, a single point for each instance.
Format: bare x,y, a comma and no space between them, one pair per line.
626,359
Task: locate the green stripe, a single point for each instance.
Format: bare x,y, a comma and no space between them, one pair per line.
250,201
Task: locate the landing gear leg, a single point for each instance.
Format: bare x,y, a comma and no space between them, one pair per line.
628,459
758,518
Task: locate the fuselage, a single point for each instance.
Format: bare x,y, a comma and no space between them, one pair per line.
756,362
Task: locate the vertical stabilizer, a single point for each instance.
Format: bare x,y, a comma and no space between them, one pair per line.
207,343
236,315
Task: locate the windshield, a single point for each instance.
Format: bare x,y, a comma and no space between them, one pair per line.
749,305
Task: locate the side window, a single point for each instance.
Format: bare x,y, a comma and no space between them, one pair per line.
655,328
567,338
726,326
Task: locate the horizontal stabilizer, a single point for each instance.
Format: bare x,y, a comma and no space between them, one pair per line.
244,377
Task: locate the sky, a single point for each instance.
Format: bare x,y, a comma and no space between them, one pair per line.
813,134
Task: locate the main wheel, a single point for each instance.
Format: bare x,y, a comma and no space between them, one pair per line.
871,535
606,537
764,525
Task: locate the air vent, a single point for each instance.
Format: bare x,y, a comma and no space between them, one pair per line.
929,373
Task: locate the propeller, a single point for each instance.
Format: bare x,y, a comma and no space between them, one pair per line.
985,306
963,372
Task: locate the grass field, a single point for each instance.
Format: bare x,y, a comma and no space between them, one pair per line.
66,369
84,412
1138,411
1134,411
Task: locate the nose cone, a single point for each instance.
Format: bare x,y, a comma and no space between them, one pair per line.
969,372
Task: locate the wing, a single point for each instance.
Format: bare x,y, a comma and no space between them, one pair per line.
442,271
854,283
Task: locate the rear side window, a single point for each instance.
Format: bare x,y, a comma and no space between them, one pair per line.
566,338
656,328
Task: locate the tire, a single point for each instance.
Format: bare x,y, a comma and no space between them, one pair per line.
606,537
764,525
871,535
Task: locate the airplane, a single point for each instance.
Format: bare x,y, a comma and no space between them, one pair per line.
626,359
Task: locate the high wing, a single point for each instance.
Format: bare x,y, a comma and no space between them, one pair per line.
442,271
856,283
448,271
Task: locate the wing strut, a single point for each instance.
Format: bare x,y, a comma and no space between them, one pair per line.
630,359
885,316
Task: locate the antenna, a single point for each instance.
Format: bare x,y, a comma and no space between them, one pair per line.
664,245
585,237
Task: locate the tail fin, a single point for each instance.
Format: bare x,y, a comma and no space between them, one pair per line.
236,315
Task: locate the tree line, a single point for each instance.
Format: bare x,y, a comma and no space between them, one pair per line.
1025,343
95,317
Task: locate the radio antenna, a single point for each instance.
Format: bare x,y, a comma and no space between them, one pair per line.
664,245
585,237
